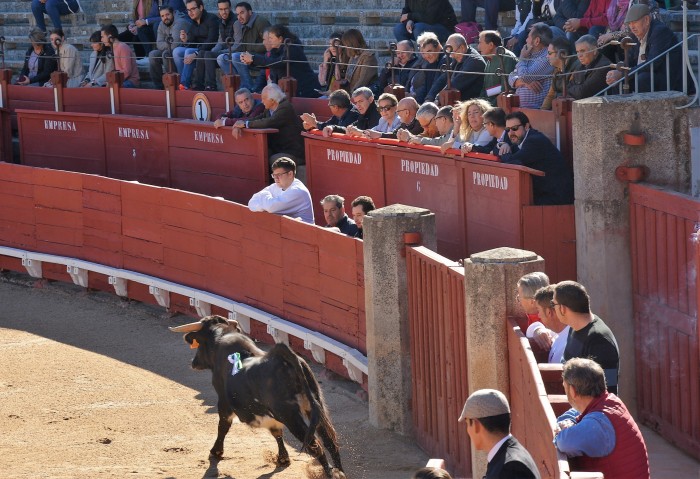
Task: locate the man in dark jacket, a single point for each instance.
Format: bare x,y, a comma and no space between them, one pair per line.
206,65
487,415
420,16
279,113
534,150
652,38
589,77
45,61
465,60
202,36
403,69
363,98
343,114
335,216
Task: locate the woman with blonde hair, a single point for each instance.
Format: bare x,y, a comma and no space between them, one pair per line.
358,66
469,127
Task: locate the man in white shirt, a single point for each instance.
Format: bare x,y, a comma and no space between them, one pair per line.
286,196
550,333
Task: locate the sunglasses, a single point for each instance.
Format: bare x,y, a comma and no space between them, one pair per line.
385,108
512,128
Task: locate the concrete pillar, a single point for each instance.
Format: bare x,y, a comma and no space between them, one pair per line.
386,300
490,281
601,201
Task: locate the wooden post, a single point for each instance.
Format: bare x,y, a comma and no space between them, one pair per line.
508,102
231,85
115,78
562,108
171,82
5,80
59,80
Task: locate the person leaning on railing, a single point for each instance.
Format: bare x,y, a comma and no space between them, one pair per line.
363,99
100,63
39,61
652,38
342,113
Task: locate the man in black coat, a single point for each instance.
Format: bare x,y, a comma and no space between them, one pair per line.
465,60
363,99
652,37
487,415
532,149
589,76
279,113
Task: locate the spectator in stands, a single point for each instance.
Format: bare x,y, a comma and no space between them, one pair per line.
594,21
526,287
569,9
548,333
54,9
426,118
361,206
206,68
419,16
523,21
139,33
39,61
279,113
532,75
153,17
652,38
590,336
334,213
444,123
307,82
359,65
563,64
495,124
465,62
100,63
247,107
487,416
489,41
329,70
589,77
247,37
69,60
368,118
469,128
201,37
542,11
389,121
342,112
406,113
124,58
169,26
403,68
491,9
286,196
599,433
431,473
532,149
616,13
432,56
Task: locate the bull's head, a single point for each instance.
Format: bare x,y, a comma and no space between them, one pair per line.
201,335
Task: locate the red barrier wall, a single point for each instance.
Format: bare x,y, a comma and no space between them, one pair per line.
5,135
87,100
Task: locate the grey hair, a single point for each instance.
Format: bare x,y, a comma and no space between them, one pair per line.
458,38
531,282
427,108
364,91
337,199
243,91
274,92
589,40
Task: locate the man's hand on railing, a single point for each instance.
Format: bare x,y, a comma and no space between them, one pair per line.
613,76
327,131
354,131
403,135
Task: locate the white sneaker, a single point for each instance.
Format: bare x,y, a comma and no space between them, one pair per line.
142,62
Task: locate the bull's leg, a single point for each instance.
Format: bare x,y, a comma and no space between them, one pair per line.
298,427
282,454
331,446
225,421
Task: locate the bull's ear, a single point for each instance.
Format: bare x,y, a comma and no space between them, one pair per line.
234,324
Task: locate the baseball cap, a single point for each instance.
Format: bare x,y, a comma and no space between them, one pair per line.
485,403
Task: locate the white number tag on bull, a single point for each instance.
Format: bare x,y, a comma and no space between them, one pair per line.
235,359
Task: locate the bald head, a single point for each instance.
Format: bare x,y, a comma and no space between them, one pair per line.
406,109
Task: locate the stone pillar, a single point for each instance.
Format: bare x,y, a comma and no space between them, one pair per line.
386,299
490,281
601,201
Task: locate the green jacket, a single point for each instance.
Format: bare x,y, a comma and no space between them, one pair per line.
509,61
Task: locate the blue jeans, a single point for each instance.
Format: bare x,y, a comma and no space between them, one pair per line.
54,9
239,68
401,33
179,55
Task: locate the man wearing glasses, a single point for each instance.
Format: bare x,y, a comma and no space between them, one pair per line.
201,37
286,196
532,149
341,109
363,99
589,337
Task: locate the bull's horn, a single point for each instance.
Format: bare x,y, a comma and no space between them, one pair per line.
187,328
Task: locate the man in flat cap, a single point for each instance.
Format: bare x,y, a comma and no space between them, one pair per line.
487,415
652,37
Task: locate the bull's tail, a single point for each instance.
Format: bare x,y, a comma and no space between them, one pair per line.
319,413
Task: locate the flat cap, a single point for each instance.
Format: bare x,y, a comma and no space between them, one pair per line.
485,403
636,12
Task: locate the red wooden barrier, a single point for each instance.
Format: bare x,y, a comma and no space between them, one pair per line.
135,101
551,230
5,135
665,263
64,141
135,149
438,356
86,100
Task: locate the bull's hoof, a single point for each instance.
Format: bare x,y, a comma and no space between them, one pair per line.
337,474
283,461
216,454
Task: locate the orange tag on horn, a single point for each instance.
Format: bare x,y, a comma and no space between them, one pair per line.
194,344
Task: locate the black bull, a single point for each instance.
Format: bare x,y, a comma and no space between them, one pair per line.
270,390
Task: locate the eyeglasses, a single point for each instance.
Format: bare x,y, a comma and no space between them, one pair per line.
402,110
193,9
552,304
512,128
385,108
276,176
487,123
551,53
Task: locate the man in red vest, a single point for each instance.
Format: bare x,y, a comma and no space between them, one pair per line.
598,434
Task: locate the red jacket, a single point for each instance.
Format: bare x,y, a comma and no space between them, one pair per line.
596,14
629,459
